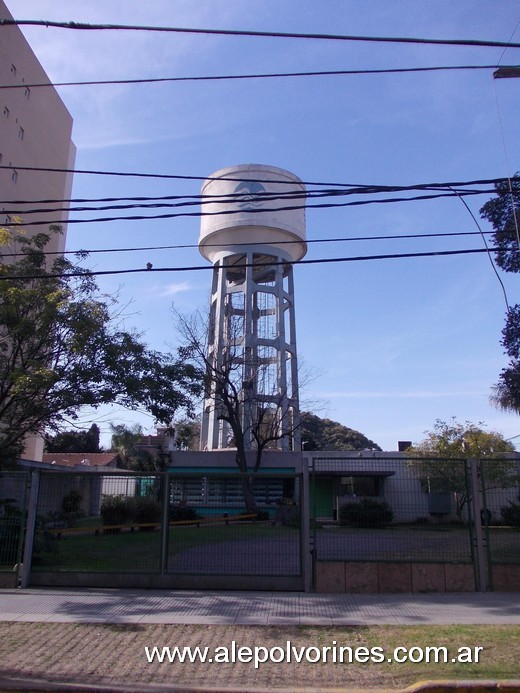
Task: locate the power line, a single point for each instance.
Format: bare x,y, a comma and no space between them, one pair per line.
488,250
230,212
273,75
360,258
83,26
176,176
186,246
202,200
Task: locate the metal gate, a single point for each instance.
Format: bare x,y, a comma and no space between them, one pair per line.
13,504
403,524
178,530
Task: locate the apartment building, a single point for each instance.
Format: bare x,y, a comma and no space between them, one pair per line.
35,133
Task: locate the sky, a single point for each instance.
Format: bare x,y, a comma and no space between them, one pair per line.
394,344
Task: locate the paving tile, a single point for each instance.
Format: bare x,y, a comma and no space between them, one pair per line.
255,608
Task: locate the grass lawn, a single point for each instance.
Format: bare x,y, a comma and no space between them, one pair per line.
140,551
56,652
405,543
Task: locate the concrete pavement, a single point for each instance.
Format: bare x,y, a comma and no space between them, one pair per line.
120,606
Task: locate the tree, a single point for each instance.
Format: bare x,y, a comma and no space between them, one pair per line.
324,434
61,348
444,451
187,433
255,422
125,441
74,441
503,211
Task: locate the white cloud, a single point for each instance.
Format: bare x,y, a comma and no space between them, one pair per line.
169,289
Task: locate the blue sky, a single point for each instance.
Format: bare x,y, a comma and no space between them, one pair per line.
396,343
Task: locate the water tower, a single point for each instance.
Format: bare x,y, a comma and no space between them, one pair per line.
252,242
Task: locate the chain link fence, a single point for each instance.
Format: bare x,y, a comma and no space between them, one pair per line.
414,524
172,527
373,523
13,505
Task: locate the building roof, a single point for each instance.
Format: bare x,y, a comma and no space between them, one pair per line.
81,459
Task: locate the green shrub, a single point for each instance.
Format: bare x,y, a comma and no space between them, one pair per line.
114,509
511,514
71,503
366,513
144,510
183,513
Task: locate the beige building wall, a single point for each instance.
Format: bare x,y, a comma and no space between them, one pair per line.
35,131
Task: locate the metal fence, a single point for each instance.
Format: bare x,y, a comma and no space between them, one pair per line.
417,511
455,520
13,505
168,530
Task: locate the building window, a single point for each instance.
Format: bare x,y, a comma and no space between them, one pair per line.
13,69
14,175
6,112
27,93
21,133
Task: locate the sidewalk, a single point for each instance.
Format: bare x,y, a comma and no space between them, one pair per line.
256,608
93,640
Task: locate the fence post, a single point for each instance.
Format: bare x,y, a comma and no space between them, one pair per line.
165,495
30,528
305,525
478,534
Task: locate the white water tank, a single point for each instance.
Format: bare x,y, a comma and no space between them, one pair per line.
252,204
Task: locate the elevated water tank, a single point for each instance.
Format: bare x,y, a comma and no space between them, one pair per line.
253,204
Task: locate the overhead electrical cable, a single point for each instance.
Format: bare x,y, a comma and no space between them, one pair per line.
232,199
267,75
347,189
83,26
488,250
176,176
245,244
230,212
194,268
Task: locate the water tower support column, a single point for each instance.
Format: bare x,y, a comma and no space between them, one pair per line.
253,242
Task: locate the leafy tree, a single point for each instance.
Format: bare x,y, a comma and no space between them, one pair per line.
61,348
503,211
324,434
187,434
74,441
444,451
125,441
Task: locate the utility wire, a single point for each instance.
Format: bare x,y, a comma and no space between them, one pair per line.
231,212
347,189
488,250
392,256
82,26
273,75
172,176
185,246
161,203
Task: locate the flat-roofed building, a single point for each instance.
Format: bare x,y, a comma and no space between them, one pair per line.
35,132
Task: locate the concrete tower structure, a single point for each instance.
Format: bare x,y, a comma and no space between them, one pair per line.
252,241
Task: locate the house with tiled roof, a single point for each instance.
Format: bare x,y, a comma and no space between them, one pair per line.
91,475
82,460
